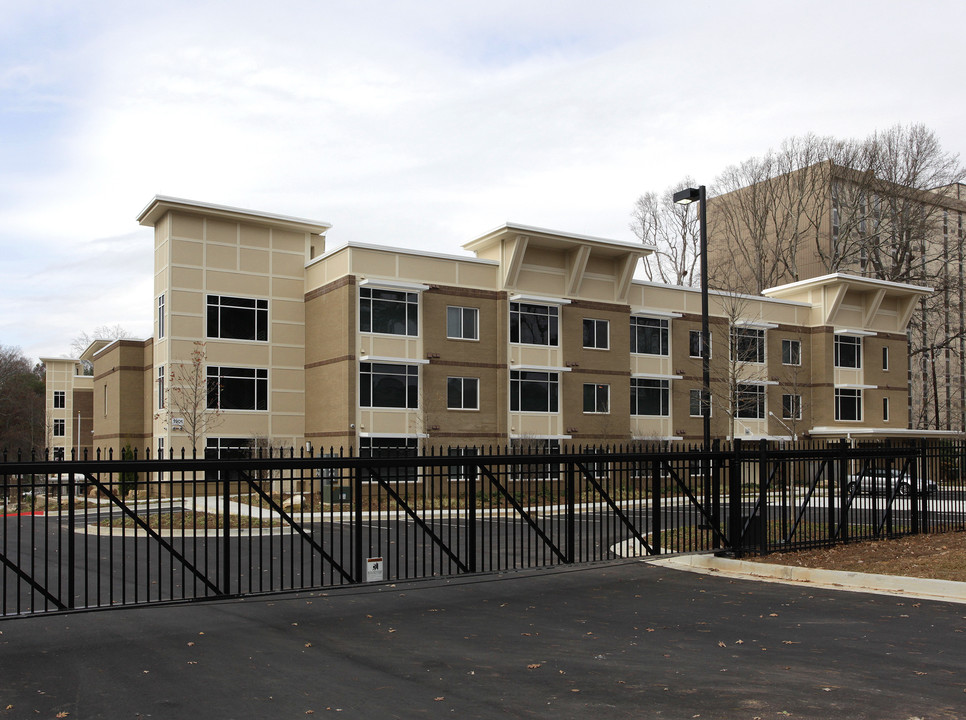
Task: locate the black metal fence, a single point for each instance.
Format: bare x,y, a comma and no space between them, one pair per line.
101,532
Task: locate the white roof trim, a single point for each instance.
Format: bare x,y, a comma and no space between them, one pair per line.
850,331
524,436
656,376
392,360
855,386
408,436
657,313
348,245
830,430
519,297
540,368
393,284
756,324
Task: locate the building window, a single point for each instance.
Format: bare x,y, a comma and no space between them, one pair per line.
532,391
160,387
596,398
227,448
160,448
885,409
694,343
649,336
234,318
791,352
596,334
750,401
59,453
650,397
160,316
848,404
391,312
391,447
382,385
60,399
235,388
462,323
791,407
848,351
749,345
885,358
694,404
463,393
534,324
60,428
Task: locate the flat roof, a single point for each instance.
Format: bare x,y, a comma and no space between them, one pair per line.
850,280
556,237
160,204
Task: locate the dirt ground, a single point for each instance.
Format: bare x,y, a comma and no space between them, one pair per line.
941,556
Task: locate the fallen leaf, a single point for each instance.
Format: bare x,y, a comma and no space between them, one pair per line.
190,644
308,644
739,642
62,714
721,644
439,698
533,666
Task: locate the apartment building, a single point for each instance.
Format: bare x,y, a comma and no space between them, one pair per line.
264,335
828,218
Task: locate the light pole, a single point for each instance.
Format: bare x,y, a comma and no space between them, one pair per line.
686,197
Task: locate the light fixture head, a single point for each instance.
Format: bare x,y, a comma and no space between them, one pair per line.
686,196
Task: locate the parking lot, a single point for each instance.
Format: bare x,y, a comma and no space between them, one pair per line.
626,639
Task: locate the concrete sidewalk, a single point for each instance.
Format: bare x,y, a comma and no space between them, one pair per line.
623,640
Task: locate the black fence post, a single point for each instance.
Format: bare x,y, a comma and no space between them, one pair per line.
471,483
734,498
571,514
656,529
918,475
226,530
71,546
715,508
761,522
839,482
358,560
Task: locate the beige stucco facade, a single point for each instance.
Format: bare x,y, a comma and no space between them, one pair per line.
527,336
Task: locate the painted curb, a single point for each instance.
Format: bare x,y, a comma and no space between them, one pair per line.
926,589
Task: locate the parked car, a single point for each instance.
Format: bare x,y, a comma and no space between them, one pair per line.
884,480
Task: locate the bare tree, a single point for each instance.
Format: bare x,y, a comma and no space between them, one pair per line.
187,398
673,231
103,332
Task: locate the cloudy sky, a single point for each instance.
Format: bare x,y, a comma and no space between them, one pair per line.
413,124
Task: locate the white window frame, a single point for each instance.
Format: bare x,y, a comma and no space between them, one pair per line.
535,310
460,315
649,323
662,386
853,342
597,389
760,401
595,326
60,395
796,405
406,371
520,377
791,356
60,427
217,375
462,382
260,318
854,395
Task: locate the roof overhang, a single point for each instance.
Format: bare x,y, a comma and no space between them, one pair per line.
554,239
161,205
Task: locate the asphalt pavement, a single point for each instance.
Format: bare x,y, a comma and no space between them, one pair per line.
621,640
